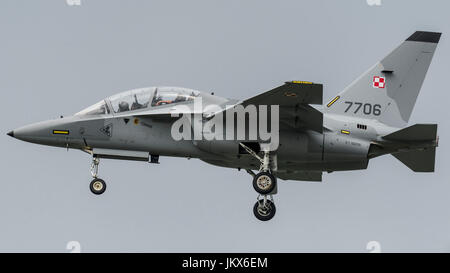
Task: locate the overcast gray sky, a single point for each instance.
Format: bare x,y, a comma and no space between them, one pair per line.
56,59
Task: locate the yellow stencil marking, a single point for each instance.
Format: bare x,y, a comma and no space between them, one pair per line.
302,82
333,101
60,132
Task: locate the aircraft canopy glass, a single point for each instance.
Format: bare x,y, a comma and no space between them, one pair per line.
100,108
131,100
140,99
169,95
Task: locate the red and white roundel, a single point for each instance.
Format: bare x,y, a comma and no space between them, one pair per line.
379,82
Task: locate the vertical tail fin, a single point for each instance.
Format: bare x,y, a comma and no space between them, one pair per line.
388,90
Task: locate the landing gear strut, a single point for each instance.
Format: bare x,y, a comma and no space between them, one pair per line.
265,184
97,185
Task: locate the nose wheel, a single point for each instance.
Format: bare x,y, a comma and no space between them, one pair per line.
97,185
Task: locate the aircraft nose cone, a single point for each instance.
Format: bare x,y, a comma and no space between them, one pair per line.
45,132
34,133
11,133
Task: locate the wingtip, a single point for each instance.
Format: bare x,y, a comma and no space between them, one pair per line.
425,36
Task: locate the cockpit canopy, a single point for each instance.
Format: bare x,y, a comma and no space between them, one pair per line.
100,108
139,99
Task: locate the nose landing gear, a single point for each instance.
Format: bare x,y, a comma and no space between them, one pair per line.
97,185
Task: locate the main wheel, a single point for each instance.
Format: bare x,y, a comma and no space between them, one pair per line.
264,183
97,186
264,212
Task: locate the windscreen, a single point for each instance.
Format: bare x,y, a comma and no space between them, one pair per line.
100,108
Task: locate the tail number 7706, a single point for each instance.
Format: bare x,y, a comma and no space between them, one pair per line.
366,108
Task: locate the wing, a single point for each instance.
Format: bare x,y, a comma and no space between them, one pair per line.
290,94
293,98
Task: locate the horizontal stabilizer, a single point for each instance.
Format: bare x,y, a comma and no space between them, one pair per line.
417,132
418,160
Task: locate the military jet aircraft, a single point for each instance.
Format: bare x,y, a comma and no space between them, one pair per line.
367,119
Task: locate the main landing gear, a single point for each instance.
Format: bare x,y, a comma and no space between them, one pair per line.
265,184
97,185
264,209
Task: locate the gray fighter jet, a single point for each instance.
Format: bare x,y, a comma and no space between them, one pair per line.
366,120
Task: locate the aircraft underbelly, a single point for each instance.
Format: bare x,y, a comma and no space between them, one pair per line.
305,151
